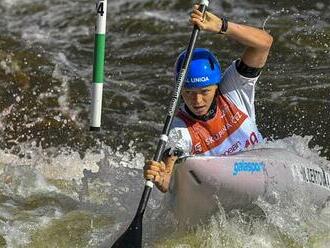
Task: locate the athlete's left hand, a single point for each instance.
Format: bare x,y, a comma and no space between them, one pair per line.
156,172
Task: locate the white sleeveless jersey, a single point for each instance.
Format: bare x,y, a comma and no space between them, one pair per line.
232,129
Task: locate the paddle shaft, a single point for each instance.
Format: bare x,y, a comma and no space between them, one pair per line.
174,102
133,235
176,95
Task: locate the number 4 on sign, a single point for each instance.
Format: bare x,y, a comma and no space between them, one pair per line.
100,8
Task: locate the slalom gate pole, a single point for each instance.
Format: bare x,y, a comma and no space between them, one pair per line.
98,66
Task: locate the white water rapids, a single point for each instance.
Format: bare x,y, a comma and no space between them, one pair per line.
42,191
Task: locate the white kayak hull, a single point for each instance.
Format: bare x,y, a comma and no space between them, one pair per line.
236,182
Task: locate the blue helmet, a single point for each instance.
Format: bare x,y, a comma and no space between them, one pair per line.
204,69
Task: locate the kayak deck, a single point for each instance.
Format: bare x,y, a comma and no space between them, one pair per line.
235,182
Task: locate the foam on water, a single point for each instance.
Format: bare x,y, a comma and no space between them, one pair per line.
112,180
300,146
41,185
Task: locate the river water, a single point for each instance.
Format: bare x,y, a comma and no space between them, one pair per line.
62,186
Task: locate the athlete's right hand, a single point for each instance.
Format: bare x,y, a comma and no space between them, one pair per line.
208,22
156,172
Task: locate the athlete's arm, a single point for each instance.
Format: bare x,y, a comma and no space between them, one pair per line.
160,172
257,41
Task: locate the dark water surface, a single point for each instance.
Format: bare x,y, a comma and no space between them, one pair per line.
46,54
47,49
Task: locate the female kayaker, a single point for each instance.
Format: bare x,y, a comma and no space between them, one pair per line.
218,116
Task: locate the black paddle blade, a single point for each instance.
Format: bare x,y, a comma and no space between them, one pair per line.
132,238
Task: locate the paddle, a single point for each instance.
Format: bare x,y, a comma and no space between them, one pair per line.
132,238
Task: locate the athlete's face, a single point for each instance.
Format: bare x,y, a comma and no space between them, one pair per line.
199,100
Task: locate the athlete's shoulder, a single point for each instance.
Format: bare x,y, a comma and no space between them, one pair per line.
237,72
178,122
179,137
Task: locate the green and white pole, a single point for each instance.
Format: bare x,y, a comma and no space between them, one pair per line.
98,67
